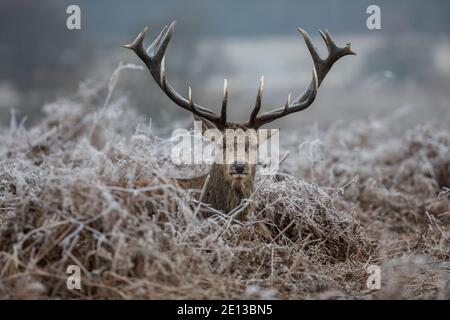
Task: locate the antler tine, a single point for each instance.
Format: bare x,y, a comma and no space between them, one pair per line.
312,49
160,44
288,103
257,107
154,58
137,46
323,66
320,70
191,102
157,40
223,112
299,104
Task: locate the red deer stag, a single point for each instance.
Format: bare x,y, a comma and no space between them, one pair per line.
230,184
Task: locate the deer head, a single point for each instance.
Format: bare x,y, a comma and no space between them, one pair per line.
238,176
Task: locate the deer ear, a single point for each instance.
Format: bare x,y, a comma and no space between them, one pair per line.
206,124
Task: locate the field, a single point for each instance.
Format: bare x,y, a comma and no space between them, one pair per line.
346,197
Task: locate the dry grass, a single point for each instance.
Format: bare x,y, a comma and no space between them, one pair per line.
350,197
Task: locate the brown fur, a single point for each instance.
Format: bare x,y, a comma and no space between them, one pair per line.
224,192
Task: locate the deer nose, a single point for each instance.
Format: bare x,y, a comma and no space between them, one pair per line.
239,167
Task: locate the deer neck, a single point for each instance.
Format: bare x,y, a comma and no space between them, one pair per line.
225,193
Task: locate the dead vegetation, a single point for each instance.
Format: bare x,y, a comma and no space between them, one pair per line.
349,197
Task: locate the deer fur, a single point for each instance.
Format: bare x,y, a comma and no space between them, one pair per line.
226,193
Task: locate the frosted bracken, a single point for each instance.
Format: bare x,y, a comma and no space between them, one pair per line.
351,196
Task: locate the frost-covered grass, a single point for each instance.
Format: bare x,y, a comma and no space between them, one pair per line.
351,196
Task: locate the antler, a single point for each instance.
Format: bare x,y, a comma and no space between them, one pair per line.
153,58
320,70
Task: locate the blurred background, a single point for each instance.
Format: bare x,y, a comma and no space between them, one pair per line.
406,63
